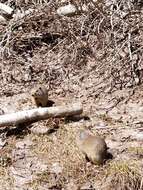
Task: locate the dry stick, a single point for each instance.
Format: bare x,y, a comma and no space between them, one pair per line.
40,114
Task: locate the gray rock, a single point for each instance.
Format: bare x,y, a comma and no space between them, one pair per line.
71,185
5,9
88,186
56,168
27,143
101,125
138,136
39,130
114,114
67,10
2,19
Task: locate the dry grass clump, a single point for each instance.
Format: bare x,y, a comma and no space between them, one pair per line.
123,175
61,148
136,150
5,180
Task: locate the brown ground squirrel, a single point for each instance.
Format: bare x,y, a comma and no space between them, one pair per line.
93,146
40,96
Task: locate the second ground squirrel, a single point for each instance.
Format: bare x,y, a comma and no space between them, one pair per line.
93,146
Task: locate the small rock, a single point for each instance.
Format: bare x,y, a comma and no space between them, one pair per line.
38,167
59,91
24,144
112,143
20,178
56,168
115,114
64,1
18,154
43,186
101,112
67,10
19,14
71,185
107,2
101,125
6,9
29,11
138,136
84,8
2,19
39,130
88,186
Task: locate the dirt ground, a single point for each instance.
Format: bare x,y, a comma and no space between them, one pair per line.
93,57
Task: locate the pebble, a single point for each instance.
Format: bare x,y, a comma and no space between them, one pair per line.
67,10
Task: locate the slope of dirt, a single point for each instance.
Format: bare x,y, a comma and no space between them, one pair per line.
94,57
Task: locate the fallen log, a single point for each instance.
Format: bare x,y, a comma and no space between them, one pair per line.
40,114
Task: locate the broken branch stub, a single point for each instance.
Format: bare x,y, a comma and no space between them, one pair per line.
40,114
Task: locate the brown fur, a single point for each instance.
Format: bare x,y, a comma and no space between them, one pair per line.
40,96
93,146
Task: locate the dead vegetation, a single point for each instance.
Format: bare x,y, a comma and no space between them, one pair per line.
124,175
107,38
